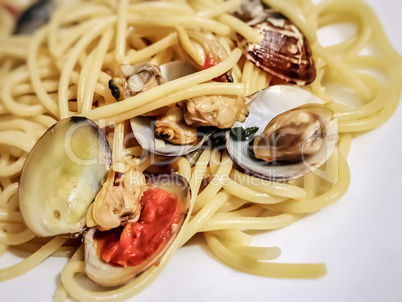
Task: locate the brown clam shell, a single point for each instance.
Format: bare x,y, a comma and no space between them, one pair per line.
284,52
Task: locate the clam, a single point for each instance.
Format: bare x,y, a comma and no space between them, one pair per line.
287,134
180,123
172,128
133,79
215,111
62,175
144,132
144,127
35,16
112,273
174,131
284,52
118,202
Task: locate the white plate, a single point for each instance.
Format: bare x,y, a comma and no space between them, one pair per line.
359,238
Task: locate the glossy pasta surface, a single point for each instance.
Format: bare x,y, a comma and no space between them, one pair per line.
62,70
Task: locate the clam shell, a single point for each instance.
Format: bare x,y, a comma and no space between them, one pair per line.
143,127
109,275
144,131
284,52
62,175
265,105
35,16
176,69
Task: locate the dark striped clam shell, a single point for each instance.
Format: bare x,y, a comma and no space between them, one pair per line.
284,51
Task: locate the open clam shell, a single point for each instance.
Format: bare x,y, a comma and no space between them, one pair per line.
62,175
144,131
143,127
266,105
110,275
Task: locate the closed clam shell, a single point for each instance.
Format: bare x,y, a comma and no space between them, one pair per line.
284,52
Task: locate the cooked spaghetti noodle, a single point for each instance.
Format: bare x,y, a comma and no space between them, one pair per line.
61,71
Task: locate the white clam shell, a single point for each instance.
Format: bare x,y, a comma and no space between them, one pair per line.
266,105
176,69
62,175
144,128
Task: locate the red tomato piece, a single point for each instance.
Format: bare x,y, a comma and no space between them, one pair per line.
139,240
210,61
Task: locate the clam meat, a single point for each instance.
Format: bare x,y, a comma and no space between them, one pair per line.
62,175
117,256
151,133
133,79
293,134
215,110
172,128
118,202
177,125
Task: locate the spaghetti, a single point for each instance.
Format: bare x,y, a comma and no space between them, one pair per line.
62,70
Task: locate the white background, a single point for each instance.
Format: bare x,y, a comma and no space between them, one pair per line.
359,238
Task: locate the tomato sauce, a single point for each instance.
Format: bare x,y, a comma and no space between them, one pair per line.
210,61
139,240
12,11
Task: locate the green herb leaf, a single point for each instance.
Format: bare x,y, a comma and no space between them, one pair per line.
249,132
241,134
204,139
